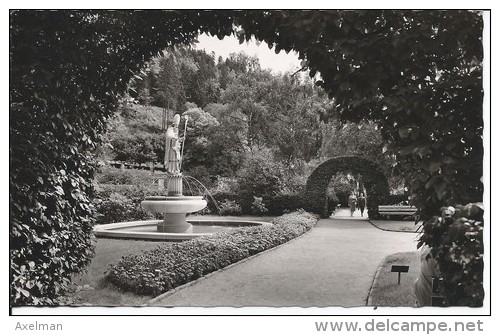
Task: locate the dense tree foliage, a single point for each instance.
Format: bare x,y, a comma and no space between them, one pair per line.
354,139
134,135
183,74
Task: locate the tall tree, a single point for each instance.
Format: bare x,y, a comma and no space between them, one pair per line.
169,86
292,125
244,96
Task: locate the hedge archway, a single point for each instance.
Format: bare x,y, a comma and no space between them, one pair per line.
375,181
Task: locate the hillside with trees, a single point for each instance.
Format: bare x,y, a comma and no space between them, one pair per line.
236,110
247,126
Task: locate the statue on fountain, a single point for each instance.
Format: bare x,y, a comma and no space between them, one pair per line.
173,147
175,205
173,158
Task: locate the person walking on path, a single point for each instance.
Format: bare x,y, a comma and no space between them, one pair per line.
352,202
361,202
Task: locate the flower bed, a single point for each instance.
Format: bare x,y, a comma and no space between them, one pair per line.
166,267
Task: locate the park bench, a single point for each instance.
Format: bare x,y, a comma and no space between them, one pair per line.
396,210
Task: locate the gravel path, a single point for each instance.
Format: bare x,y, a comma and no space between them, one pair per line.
332,265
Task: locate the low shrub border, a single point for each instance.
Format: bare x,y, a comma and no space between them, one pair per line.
157,271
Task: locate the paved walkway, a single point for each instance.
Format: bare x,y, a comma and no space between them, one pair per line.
332,265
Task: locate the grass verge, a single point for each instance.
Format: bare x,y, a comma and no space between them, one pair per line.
90,288
385,291
400,226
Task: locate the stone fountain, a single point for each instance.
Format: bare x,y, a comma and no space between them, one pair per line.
175,206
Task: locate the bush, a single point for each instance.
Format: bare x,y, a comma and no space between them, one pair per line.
332,202
261,177
166,267
220,197
258,207
394,199
117,203
119,208
456,242
340,188
199,178
135,134
115,176
229,207
138,147
296,218
283,203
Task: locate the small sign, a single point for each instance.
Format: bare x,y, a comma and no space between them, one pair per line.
399,269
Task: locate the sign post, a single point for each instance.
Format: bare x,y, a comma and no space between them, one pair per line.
399,269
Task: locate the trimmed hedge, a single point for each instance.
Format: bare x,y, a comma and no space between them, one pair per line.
166,267
278,204
377,187
282,203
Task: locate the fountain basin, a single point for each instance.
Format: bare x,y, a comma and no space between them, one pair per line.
147,230
174,209
174,204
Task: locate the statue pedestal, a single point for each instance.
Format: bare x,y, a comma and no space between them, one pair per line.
174,209
175,223
174,185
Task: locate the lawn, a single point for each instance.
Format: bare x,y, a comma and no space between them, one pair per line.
90,288
386,292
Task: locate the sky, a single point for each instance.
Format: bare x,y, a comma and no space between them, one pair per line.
281,62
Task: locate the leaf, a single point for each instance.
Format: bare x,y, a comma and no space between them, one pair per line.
59,190
440,189
404,132
434,166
